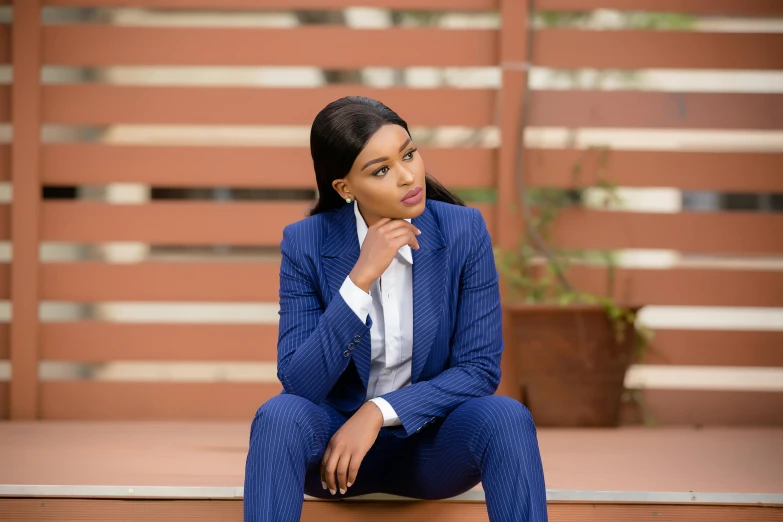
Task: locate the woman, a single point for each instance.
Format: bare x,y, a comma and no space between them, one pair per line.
389,340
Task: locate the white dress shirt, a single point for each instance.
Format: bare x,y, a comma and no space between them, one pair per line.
390,306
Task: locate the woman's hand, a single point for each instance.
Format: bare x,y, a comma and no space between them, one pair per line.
348,446
382,242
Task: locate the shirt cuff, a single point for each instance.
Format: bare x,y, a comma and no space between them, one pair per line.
357,299
389,415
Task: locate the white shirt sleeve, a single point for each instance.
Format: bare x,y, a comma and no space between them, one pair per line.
357,299
389,415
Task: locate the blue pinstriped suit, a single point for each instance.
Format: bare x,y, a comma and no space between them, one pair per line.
454,432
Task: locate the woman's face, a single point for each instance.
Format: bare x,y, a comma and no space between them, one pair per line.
387,178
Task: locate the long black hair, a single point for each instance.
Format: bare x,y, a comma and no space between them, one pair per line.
339,133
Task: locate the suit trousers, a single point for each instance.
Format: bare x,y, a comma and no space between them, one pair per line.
489,439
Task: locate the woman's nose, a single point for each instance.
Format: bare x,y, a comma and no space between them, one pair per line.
406,176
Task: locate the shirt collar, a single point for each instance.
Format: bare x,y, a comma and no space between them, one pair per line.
361,230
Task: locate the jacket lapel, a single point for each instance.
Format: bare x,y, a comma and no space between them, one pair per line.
341,251
429,279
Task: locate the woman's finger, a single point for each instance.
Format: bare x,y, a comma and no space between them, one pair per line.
395,224
408,234
407,239
323,466
353,469
342,472
329,471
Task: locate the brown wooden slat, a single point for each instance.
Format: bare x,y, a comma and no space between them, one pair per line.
97,341
5,226
5,411
448,5
5,162
5,280
5,44
163,281
512,97
5,103
5,400
96,104
359,511
272,167
178,223
331,47
26,208
716,348
696,232
720,171
714,408
227,282
656,110
577,48
100,400
712,7
101,342
685,286
86,104
5,340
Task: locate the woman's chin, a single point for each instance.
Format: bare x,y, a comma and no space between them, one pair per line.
412,211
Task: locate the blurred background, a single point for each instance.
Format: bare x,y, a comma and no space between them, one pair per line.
152,152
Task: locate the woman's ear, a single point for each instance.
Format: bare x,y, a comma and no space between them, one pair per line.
342,188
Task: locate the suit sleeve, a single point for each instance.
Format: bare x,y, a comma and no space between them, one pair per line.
312,342
477,344
390,417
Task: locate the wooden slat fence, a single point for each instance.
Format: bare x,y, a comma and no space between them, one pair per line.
29,164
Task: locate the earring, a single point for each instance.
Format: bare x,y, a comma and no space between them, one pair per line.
347,200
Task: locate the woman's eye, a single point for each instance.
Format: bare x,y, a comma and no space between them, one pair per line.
380,171
409,155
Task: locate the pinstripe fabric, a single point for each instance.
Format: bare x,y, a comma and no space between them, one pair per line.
453,433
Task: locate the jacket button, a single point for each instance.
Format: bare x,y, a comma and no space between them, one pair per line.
350,346
346,353
357,339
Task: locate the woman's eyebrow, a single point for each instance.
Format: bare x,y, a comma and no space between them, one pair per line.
378,160
405,144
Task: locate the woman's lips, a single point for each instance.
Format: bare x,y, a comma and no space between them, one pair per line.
413,196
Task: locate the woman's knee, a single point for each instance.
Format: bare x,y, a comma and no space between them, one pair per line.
505,415
284,413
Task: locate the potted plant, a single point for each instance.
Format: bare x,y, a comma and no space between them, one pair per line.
572,347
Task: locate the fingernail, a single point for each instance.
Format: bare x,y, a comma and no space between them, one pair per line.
419,231
342,491
350,484
332,491
323,484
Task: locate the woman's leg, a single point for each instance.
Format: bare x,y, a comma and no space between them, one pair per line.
287,436
491,439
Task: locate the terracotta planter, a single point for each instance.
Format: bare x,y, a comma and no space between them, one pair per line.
571,367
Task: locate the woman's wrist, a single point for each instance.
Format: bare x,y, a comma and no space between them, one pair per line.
360,281
374,412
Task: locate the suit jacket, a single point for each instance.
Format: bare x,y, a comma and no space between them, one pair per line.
324,348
